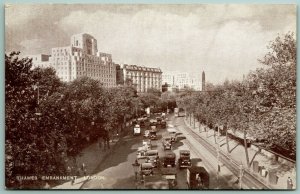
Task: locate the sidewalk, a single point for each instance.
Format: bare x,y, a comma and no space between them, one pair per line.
284,169
91,156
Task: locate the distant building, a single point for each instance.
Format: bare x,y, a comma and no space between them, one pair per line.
82,59
40,60
182,80
141,77
203,81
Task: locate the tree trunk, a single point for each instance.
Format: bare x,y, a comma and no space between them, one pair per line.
199,124
190,119
194,121
215,135
246,149
227,143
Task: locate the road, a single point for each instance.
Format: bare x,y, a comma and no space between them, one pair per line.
117,170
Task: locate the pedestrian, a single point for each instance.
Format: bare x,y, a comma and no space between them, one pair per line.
83,168
69,170
289,183
199,181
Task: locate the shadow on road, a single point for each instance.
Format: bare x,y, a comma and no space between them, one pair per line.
194,161
176,145
126,183
126,143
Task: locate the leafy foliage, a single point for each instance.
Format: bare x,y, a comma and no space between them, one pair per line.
263,104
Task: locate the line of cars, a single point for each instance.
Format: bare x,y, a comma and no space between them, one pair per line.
166,164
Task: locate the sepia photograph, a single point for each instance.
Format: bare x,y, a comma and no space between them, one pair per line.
150,96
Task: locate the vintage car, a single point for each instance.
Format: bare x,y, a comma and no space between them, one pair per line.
163,124
163,115
153,128
147,133
147,143
169,159
146,169
137,130
141,152
172,133
166,142
153,135
197,178
142,123
184,159
159,119
153,122
170,174
152,157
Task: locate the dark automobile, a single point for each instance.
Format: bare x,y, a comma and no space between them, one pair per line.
184,159
153,135
152,157
159,119
197,178
170,174
167,145
142,123
153,122
146,169
163,124
169,159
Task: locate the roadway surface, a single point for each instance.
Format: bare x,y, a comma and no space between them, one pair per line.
117,170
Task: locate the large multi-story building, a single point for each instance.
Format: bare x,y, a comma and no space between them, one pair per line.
141,77
81,59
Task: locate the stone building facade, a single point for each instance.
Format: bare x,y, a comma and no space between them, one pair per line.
82,59
141,77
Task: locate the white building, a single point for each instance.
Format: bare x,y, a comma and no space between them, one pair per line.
40,60
82,59
181,80
141,77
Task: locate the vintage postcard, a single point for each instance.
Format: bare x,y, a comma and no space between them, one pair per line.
150,96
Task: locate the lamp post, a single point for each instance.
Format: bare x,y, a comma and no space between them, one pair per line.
136,167
218,154
241,175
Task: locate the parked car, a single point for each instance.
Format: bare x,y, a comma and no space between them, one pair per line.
197,177
152,157
166,142
169,159
184,159
146,169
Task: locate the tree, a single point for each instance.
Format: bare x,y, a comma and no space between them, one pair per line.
30,147
154,91
277,95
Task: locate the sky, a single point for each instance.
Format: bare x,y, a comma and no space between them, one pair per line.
224,40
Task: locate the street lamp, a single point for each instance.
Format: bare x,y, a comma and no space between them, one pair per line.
241,173
136,166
